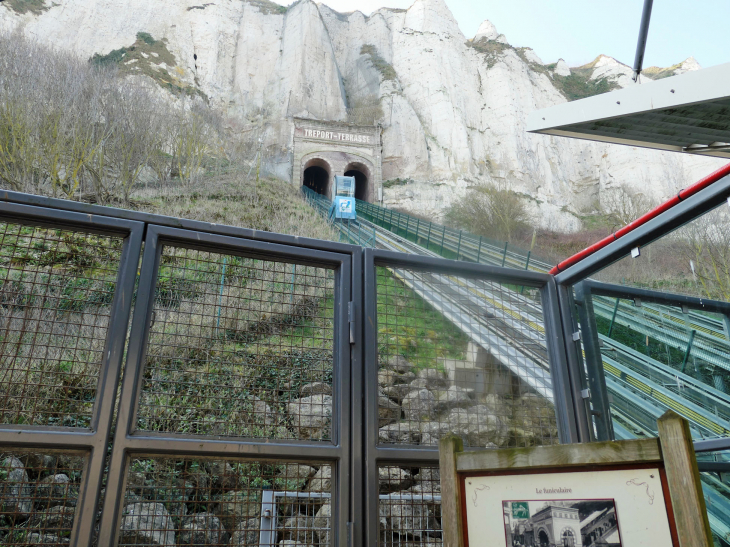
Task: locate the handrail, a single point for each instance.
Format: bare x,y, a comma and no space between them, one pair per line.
631,226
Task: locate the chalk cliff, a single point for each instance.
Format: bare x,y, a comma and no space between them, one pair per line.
453,110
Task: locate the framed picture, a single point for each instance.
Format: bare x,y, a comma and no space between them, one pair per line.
613,494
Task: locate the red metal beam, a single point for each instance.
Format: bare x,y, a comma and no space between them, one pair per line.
681,196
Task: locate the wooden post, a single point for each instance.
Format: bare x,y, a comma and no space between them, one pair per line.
451,517
683,478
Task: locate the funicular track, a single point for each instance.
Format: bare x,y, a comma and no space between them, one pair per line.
641,388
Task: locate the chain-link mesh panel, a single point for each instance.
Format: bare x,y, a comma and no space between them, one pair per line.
232,502
56,287
461,355
409,506
38,496
239,347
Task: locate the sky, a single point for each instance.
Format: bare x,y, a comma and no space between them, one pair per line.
579,30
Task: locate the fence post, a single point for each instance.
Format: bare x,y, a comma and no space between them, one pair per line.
689,348
479,252
504,257
408,222
527,264
613,317
428,238
443,235
375,238
418,226
458,247
601,409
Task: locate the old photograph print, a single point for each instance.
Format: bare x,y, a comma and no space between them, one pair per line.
561,523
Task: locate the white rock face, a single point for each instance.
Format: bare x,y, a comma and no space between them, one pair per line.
532,57
454,116
608,67
561,68
486,30
687,65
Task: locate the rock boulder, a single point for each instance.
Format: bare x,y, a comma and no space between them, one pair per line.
147,524
311,416
419,405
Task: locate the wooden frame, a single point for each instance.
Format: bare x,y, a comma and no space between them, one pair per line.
672,453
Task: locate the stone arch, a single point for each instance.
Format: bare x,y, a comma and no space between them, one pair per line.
317,174
542,537
363,174
568,537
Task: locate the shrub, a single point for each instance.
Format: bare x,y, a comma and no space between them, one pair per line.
381,65
36,7
579,85
490,211
146,38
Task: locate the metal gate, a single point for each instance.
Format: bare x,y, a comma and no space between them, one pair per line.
171,382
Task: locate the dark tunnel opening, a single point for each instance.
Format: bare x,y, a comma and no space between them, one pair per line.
316,178
361,184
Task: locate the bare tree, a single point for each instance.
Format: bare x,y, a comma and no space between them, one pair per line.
491,211
624,205
71,128
706,246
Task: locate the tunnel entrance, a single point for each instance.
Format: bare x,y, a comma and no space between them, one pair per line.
362,180
316,176
340,149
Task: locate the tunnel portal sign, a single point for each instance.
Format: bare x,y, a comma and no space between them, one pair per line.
336,136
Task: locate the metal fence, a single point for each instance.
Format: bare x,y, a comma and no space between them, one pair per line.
452,243
638,351
452,347
171,382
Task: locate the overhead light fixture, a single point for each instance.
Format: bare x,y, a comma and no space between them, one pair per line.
712,147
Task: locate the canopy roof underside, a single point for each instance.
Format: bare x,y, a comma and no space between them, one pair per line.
687,113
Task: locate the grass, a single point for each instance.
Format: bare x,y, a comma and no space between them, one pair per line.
381,65
409,326
391,183
36,7
579,85
659,73
490,48
267,7
149,57
57,288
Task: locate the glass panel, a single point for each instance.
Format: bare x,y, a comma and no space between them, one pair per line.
716,487
659,357
38,496
461,355
409,506
56,288
226,502
239,347
693,260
